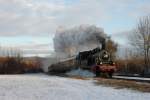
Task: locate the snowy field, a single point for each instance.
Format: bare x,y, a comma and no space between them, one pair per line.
44,87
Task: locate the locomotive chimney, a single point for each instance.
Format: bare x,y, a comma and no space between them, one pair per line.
103,44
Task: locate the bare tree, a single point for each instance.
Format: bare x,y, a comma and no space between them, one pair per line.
112,47
141,40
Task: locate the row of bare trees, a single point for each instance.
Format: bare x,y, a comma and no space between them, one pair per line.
10,51
137,56
13,62
140,40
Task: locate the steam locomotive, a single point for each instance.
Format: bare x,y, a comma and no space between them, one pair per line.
97,60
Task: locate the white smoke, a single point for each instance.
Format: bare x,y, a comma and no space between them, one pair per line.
68,42
47,62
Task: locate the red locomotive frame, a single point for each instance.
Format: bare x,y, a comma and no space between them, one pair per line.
104,68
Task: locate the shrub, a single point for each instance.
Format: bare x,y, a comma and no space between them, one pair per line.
130,66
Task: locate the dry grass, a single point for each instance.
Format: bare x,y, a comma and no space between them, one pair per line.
78,77
119,84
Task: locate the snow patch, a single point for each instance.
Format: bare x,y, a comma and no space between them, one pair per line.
80,72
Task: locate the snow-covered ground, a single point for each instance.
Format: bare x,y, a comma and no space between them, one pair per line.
44,87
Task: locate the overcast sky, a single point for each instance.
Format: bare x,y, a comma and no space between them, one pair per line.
31,24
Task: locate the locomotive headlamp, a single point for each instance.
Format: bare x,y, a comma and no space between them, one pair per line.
105,56
101,63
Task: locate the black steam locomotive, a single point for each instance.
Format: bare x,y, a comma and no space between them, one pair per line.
98,60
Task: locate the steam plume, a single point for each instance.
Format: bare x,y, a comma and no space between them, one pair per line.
68,42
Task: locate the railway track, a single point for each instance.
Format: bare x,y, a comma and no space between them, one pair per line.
137,79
